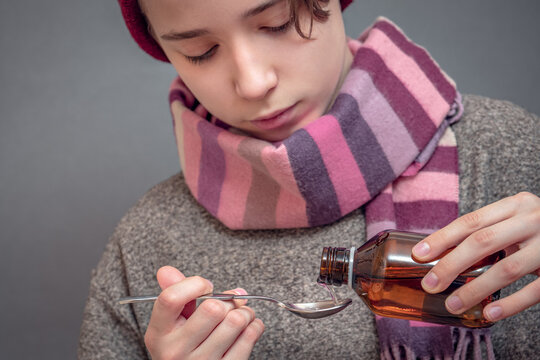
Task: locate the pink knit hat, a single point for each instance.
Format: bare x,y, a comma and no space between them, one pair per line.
138,28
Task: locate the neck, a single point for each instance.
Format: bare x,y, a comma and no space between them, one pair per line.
347,63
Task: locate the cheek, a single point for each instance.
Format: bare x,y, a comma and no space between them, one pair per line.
214,98
316,65
211,88
322,57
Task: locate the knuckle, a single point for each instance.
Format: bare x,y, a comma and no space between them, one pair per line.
535,289
525,197
169,299
214,309
470,293
442,236
200,282
198,278
169,354
536,217
442,267
237,319
446,269
250,311
472,220
261,326
524,200
150,340
483,237
511,269
254,331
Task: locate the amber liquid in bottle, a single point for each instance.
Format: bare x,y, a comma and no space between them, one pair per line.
386,277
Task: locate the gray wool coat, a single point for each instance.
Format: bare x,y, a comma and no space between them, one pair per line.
499,151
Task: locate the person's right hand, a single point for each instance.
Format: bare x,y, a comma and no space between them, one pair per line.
214,330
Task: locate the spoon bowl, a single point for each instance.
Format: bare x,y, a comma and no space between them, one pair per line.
313,310
318,309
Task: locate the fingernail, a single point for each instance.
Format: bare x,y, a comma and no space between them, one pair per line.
421,249
240,291
210,283
494,313
454,303
430,280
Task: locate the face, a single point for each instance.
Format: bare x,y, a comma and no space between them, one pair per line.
246,63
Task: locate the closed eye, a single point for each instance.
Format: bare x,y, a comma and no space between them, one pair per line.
201,58
277,29
207,55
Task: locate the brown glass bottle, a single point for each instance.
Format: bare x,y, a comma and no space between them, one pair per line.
385,276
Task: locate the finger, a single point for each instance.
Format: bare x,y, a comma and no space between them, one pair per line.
168,275
226,333
204,320
238,291
512,304
479,245
242,347
190,307
171,302
503,273
452,234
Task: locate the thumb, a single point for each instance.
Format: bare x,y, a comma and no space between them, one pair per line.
168,275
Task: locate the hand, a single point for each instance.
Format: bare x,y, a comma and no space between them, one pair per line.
214,330
512,224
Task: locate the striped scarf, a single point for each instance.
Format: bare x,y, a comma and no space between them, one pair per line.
385,142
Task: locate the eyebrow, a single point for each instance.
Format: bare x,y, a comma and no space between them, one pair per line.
190,34
259,9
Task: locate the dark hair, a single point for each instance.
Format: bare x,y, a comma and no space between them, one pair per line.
313,8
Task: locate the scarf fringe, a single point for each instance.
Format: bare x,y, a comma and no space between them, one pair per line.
482,347
467,343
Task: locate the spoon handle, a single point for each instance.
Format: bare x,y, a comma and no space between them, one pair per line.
136,299
146,298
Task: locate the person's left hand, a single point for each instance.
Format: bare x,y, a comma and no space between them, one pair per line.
512,224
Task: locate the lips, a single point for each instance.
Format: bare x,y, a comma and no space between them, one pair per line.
275,119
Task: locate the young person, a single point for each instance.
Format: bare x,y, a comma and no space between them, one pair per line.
292,137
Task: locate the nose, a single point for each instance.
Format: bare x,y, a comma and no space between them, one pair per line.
254,75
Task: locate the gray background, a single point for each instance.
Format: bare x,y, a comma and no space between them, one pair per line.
85,130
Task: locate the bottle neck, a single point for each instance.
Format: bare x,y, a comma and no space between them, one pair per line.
334,269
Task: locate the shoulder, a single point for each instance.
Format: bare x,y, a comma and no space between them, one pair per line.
167,200
151,227
498,151
165,213
489,126
498,131
486,119
172,192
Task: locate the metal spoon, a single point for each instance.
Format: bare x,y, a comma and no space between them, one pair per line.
314,310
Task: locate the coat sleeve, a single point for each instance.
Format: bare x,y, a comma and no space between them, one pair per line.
499,145
110,331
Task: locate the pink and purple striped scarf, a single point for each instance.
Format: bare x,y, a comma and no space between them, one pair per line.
385,143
